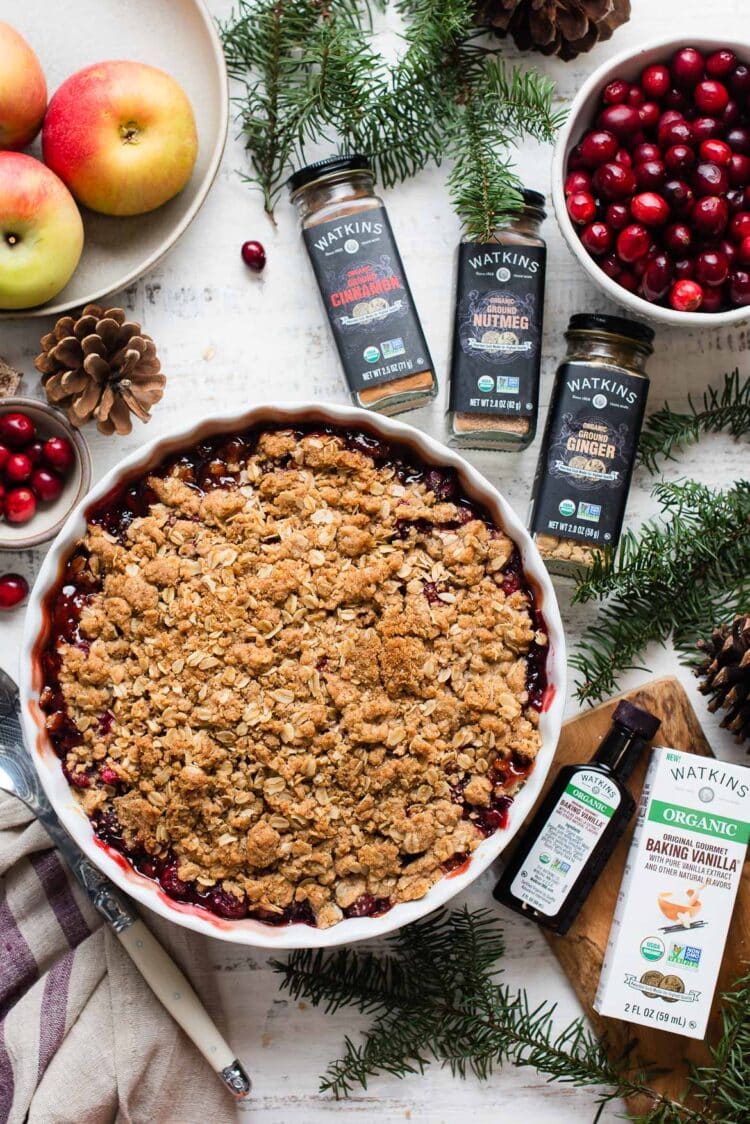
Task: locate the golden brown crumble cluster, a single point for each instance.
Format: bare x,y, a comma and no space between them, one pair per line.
301,670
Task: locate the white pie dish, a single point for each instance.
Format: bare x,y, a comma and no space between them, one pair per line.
249,931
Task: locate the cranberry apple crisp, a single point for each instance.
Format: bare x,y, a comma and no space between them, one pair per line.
293,675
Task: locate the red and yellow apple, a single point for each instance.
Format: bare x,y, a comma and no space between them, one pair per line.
23,90
122,136
41,233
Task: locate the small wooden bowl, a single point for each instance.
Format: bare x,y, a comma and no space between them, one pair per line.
49,517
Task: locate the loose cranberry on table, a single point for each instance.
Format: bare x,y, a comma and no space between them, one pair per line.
254,256
13,590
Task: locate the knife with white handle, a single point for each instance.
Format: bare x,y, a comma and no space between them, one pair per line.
169,984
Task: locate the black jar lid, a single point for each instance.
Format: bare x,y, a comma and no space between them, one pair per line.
353,162
534,199
614,325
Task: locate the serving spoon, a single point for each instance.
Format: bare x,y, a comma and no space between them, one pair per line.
19,778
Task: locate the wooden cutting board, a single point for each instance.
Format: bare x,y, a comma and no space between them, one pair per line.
581,950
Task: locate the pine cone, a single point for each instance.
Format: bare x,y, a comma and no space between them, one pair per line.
726,674
555,27
101,366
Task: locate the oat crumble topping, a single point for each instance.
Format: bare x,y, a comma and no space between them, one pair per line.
303,683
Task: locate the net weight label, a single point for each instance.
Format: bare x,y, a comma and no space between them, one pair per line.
566,842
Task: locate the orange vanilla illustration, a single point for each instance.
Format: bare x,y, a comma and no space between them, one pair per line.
683,912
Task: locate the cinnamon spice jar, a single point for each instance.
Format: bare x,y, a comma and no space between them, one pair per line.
497,337
363,285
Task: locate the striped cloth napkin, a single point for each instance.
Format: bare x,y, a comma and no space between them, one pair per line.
82,1038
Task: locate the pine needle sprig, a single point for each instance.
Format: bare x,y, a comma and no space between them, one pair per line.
725,409
675,577
436,997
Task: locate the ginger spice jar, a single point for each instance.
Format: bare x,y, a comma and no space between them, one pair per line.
363,285
497,333
590,440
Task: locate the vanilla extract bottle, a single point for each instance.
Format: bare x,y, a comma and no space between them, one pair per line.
577,826
497,334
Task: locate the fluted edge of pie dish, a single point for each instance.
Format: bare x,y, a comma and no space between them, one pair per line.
250,931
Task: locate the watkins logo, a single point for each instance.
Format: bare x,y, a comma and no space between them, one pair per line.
504,257
598,384
348,230
711,774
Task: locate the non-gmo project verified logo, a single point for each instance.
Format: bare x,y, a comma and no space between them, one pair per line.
589,511
686,955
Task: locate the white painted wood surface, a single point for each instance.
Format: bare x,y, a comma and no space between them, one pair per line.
229,339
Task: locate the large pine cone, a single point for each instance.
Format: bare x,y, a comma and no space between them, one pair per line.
101,366
555,27
726,674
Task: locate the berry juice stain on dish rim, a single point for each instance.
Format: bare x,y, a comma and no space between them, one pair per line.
214,465
363,285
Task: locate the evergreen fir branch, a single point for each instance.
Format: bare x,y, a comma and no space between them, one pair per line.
667,431
674,578
436,998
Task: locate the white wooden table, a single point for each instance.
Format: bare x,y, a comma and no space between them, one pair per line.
229,339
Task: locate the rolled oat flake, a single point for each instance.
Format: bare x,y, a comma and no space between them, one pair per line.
590,441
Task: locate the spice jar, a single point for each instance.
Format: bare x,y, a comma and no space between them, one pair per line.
497,334
590,441
363,285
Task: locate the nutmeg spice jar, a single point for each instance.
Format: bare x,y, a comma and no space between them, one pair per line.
363,285
497,336
590,441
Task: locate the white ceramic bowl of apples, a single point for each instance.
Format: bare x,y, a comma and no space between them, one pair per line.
98,180
706,151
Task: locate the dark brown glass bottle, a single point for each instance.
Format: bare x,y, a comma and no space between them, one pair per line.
577,827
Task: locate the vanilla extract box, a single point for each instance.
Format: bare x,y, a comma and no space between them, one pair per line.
677,895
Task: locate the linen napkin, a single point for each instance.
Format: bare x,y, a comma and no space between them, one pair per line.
83,1040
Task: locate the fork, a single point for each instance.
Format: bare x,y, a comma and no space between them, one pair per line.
19,778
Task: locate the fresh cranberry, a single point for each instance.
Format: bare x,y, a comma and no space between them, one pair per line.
686,296
35,452
721,63
639,265
739,226
650,174
47,485
714,300
709,216
598,147
646,151
739,287
715,152
679,158
676,99
648,115
710,179
20,505
732,114
649,208
615,92
743,250
684,268
16,430
575,160
687,67
738,139
614,182
711,96
577,181
739,170
677,238
581,207
597,238
636,96
728,249
622,120
623,158
13,590
58,454
617,215
735,198
706,128
657,277
610,265
656,80
254,256
711,267
4,454
675,132
17,468
633,242
739,81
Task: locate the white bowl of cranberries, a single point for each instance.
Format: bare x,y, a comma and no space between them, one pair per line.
45,469
651,181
